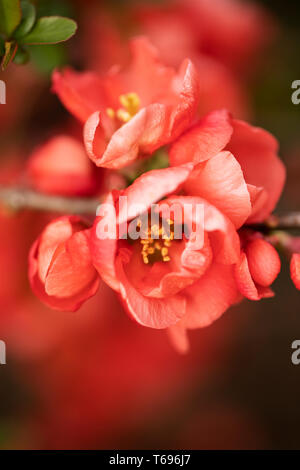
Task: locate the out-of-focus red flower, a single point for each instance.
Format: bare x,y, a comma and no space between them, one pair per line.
132,112
60,166
220,88
254,151
170,30
61,273
231,31
109,38
295,269
257,269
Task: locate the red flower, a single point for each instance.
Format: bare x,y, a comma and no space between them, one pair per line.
233,31
133,112
233,171
254,152
161,283
61,273
295,269
60,166
257,269
230,31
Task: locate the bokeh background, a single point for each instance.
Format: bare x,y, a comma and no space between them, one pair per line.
95,379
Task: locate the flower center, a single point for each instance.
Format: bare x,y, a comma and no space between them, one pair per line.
130,106
156,243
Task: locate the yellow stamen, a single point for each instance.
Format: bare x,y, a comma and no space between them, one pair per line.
130,102
123,115
164,251
156,246
130,106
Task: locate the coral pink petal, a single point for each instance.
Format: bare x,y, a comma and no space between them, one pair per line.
295,270
222,233
71,269
60,166
144,133
53,235
206,139
256,151
259,199
104,248
245,283
150,312
70,304
81,93
94,138
211,296
186,267
263,261
146,68
179,338
150,188
220,181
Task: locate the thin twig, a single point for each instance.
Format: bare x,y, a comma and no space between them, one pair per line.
18,198
290,221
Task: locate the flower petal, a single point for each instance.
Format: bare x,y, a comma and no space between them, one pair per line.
57,232
81,93
206,139
60,166
220,181
263,261
211,296
153,126
245,283
104,249
151,312
71,303
151,187
295,270
71,269
179,338
223,236
256,151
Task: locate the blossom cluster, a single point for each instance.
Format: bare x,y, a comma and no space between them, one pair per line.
132,117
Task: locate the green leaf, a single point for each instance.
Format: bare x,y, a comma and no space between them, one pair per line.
22,56
11,48
48,57
28,20
10,16
50,30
